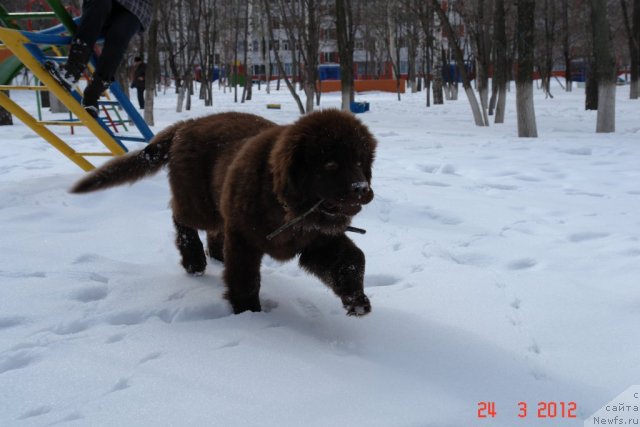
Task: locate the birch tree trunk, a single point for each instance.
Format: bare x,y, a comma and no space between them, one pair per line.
246,90
524,82
605,67
501,72
153,62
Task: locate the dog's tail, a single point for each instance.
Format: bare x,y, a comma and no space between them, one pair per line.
130,167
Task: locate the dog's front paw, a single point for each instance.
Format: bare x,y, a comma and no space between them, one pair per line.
245,303
356,304
196,266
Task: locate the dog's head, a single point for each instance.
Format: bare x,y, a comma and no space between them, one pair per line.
326,156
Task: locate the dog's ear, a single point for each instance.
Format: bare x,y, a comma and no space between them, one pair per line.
285,161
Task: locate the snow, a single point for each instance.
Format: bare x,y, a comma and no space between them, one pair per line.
499,270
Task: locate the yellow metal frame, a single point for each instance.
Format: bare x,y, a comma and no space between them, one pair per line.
45,133
15,41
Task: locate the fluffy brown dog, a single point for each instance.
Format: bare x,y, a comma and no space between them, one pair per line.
241,177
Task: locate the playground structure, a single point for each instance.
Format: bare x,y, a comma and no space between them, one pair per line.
30,49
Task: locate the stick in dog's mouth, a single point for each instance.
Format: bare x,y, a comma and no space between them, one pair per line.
297,219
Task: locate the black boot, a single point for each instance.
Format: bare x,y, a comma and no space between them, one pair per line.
92,93
69,73
79,54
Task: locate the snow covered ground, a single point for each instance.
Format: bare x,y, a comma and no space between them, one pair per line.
499,269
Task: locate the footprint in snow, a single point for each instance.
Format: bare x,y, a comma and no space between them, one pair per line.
36,412
115,338
210,311
10,322
73,416
585,236
309,308
429,168
522,264
90,294
73,327
441,217
95,277
528,178
18,360
572,192
230,344
431,183
380,280
504,187
122,384
446,169
149,357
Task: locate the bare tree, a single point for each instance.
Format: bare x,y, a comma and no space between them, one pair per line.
345,32
524,81
566,46
548,37
457,51
432,69
393,38
270,20
632,30
477,14
207,48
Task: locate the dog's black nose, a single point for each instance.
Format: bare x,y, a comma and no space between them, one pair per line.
360,188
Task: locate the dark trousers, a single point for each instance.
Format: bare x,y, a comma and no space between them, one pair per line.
109,19
140,91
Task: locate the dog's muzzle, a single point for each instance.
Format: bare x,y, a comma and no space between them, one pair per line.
360,188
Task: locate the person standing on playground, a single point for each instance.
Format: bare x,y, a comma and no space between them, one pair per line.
117,21
138,79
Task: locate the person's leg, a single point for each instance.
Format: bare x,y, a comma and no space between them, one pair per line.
95,15
122,26
141,97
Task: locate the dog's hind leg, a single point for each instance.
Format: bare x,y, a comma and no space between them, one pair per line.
215,245
191,249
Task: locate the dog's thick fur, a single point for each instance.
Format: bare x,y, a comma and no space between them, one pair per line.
239,177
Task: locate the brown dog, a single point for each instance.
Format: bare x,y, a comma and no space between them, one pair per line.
241,177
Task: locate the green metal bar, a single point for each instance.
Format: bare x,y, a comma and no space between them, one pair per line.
63,15
6,20
119,121
32,15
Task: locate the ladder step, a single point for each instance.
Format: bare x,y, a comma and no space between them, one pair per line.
106,154
61,123
56,58
11,87
32,15
131,138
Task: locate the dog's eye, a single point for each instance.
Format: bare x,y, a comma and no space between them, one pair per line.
331,166
358,164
